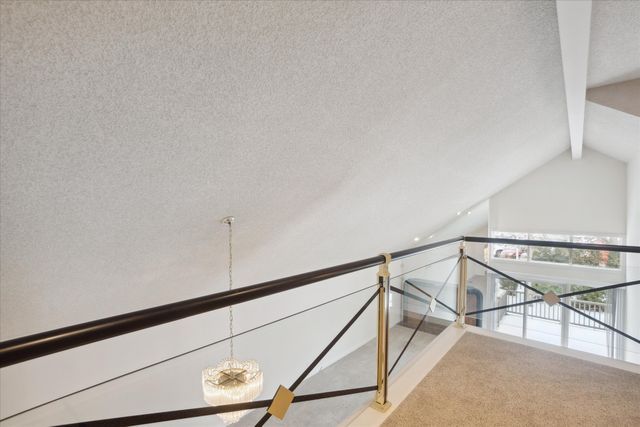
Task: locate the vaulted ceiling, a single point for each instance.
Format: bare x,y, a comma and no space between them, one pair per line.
612,121
614,48
332,131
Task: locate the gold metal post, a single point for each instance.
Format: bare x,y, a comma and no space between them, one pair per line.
381,403
462,288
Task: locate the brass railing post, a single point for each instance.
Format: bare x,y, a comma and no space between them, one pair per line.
461,305
381,403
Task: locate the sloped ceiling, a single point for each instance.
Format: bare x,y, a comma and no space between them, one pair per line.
614,49
614,56
332,131
612,132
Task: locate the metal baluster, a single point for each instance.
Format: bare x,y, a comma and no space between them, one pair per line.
461,305
381,403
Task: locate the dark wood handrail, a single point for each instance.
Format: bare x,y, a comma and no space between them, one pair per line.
41,344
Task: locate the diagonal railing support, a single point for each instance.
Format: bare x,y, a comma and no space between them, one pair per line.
422,291
324,352
558,298
506,276
430,307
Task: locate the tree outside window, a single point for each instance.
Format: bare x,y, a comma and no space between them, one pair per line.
579,257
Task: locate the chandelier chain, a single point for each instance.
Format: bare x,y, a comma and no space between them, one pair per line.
230,288
231,381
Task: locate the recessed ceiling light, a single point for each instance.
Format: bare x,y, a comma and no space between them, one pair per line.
431,236
468,212
458,213
416,239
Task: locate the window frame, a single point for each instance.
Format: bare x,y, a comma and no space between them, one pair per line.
571,239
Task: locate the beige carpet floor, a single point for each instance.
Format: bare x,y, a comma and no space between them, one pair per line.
484,381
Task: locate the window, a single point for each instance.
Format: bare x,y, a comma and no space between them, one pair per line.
602,259
516,252
545,254
578,257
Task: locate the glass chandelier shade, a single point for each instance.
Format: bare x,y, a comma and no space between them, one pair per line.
231,381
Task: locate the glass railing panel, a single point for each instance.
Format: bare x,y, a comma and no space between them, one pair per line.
283,349
415,321
350,364
498,292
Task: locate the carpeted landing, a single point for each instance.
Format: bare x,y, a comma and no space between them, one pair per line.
490,382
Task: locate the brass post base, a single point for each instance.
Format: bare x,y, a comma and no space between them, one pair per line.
382,408
460,325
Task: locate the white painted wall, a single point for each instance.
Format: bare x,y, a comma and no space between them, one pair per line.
565,196
633,260
568,197
477,250
597,195
470,222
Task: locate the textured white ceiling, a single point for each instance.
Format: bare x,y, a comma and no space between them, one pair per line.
614,51
614,56
331,130
612,132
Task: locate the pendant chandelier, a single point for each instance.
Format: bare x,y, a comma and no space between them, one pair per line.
231,381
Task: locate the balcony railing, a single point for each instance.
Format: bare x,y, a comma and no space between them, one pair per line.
596,310
46,343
